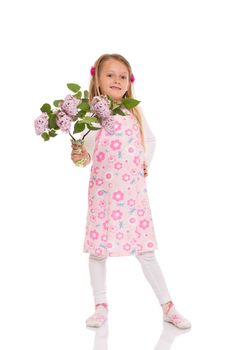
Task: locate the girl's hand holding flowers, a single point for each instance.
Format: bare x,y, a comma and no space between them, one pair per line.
78,158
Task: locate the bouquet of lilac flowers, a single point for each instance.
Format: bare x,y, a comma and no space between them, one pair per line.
76,110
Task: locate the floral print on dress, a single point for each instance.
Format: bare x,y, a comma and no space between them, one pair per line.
119,220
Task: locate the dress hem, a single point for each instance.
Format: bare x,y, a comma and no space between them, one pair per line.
115,255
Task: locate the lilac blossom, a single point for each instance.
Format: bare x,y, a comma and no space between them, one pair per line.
100,105
41,123
108,125
63,121
69,105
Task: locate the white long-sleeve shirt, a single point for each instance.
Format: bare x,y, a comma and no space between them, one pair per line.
149,137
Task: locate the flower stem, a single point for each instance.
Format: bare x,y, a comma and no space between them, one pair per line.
72,136
85,134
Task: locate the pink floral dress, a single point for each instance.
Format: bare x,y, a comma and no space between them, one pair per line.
119,220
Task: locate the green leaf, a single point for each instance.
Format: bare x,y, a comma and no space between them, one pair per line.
45,136
81,114
118,111
52,121
86,94
115,105
89,120
130,102
52,133
56,102
78,127
91,127
78,95
110,98
46,108
84,106
73,87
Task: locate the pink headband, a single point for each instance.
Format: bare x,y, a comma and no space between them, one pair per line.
92,71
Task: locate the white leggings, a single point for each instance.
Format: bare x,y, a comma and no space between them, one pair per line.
151,270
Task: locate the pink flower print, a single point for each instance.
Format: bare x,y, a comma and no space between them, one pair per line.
128,132
139,247
133,171
93,218
100,156
105,225
100,193
90,202
135,127
109,245
105,142
116,214
98,251
132,220
91,183
119,235
136,160
101,215
126,177
117,126
110,185
140,212
126,247
118,196
99,182
175,318
94,234
131,202
102,203
96,170
112,228
104,238
108,176
115,145
111,159
130,149
118,165
150,245
144,224
92,210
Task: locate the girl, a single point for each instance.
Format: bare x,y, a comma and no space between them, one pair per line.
119,220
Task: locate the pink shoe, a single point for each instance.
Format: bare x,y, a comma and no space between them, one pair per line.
98,318
174,317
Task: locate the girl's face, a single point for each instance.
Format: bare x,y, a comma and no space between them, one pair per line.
114,79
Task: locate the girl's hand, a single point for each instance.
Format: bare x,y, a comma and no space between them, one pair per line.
145,169
75,156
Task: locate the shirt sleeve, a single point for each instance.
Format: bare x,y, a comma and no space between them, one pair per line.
150,141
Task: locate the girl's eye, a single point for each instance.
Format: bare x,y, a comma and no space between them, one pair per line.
123,77
109,75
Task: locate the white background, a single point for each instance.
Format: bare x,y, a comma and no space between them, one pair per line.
181,55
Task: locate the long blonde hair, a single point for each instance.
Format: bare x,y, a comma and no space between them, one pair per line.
94,84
